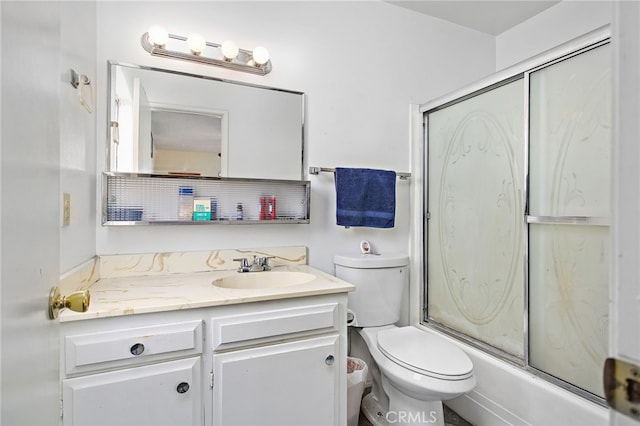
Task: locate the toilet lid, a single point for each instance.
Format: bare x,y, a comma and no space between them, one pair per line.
424,353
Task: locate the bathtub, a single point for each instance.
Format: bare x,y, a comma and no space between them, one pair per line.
507,395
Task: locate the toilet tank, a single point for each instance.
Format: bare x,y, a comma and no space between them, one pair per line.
380,282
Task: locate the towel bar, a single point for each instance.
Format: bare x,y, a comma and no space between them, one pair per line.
316,170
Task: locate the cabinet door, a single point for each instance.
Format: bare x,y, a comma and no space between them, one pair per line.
167,393
294,383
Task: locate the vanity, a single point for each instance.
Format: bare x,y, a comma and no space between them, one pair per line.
185,339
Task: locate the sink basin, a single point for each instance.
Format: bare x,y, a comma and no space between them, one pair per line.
268,279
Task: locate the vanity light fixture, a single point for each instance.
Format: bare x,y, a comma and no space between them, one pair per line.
227,55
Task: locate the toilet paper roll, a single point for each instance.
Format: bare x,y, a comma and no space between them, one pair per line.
351,317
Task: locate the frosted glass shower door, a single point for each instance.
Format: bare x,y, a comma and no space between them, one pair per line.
569,210
475,270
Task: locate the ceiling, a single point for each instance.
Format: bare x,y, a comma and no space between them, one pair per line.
491,17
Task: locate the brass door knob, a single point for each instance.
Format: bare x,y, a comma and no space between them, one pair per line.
77,301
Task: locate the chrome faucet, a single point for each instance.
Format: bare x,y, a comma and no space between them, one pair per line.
259,264
244,264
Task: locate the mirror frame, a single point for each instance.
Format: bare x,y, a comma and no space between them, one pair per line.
110,126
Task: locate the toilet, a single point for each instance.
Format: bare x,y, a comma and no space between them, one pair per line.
413,371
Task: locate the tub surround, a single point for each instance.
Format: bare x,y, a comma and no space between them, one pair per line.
155,282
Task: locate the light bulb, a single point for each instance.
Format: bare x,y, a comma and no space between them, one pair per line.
260,55
158,35
229,50
196,43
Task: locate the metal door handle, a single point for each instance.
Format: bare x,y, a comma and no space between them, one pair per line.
77,302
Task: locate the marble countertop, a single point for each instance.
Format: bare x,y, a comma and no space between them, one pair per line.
128,295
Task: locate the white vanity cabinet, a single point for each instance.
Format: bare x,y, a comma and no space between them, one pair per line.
117,373
167,393
281,365
278,362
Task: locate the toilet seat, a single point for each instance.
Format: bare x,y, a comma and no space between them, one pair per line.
424,353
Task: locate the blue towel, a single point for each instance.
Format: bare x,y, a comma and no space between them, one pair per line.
365,197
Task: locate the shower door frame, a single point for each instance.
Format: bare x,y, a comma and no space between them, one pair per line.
593,40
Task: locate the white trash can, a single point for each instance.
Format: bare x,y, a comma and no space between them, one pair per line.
357,371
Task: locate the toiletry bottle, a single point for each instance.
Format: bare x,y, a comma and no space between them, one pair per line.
271,208
239,213
201,208
185,203
263,208
214,208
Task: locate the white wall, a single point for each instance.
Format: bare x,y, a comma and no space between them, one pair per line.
565,21
361,64
77,133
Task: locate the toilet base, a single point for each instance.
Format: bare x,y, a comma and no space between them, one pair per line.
373,410
377,415
405,410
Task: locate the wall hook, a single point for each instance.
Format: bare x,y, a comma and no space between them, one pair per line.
82,84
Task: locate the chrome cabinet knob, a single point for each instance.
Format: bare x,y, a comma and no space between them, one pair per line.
183,387
137,349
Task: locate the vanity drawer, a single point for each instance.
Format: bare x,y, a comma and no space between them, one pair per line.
130,346
262,326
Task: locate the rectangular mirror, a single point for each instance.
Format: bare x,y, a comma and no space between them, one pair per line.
168,122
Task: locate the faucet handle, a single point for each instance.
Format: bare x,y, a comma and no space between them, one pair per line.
244,264
264,262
